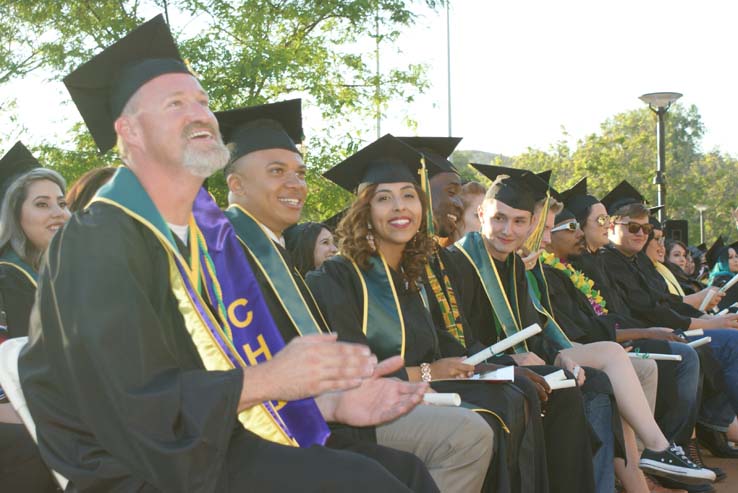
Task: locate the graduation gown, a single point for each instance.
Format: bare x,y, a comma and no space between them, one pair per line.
405,466
21,467
18,291
338,291
117,389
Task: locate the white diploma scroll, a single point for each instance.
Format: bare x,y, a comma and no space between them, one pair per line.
656,356
729,284
694,333
556,376
708,298
503,345
562,384
504,374
700,342
436,399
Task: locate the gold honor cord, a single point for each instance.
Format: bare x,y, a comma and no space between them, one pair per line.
533,243
425,186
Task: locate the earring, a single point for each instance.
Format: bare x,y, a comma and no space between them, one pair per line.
370,237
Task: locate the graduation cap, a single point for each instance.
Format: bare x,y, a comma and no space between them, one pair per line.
515,187
435,149
267,126
654,210
713,253
545,176
620,196
564,215
386,160
102,86
15,162
332,222
576,198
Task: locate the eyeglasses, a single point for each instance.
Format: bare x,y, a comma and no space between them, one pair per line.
633,228
603,220
570,226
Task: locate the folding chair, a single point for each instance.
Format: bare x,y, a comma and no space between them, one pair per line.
10,382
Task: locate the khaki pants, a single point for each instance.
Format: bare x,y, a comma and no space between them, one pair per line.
454,443
648,375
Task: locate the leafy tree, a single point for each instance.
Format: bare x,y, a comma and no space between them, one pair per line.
246,52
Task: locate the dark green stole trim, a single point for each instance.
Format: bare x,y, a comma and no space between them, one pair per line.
383,324
125,189
271,263
551,329
506,310
13,259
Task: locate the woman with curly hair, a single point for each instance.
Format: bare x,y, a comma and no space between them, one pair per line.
371,293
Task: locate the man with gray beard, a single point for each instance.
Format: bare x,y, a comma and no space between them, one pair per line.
153,363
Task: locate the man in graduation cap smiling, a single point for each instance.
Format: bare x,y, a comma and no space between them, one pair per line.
160,368
267,190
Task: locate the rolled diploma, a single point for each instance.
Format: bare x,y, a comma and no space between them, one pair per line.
729,284
442,399
708,298
722,312
694,333
700,342
656,356
562,384
503,345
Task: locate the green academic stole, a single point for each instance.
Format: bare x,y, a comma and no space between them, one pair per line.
507,320
12,259
382,320
209,333
537,288
271,263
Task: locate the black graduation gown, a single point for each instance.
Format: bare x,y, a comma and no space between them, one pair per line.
566,428
404,466
18,295
119,394
21,467
689,285
338,292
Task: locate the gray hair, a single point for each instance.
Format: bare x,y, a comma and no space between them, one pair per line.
11,232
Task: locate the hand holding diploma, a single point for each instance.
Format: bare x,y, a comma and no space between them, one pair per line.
557,380
709,295
503,345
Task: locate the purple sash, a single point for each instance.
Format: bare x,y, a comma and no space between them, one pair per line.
255,335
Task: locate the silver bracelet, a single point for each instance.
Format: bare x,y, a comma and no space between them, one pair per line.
425,372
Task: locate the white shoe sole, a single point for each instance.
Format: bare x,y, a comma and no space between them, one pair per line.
688,476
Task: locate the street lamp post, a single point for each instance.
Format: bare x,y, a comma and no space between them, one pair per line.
659,103
701,209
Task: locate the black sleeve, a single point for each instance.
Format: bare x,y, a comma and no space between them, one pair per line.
639,297
19,295
113,380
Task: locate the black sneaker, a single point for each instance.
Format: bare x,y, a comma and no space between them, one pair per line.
673,463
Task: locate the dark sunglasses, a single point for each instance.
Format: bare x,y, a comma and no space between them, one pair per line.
633,228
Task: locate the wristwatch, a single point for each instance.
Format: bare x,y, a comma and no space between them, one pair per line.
425,372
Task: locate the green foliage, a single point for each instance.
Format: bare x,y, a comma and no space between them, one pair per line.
246,52
625,149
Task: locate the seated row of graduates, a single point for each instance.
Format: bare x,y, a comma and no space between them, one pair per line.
114,369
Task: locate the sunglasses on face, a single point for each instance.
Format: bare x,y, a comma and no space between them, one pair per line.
603,220
633,228
571,226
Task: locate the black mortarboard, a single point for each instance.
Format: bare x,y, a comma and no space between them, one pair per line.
332,222
545,176
654,210
14,163
654,221
267,126
702,248
623,194
101,87
577,200
515,187
714,251
386,160
436,149
564,215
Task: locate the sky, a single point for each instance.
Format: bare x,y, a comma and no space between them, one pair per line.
521,70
